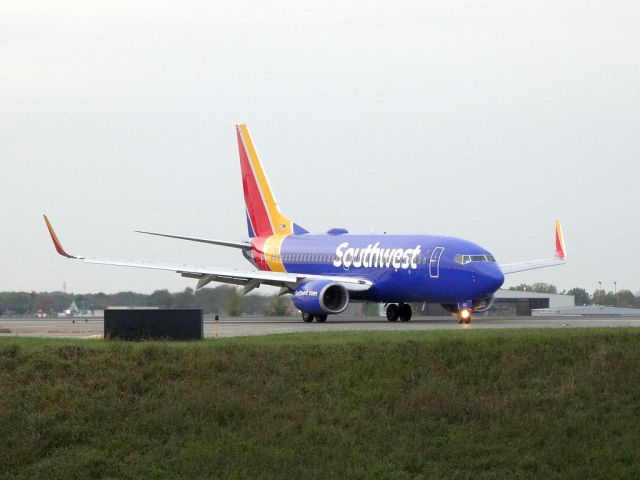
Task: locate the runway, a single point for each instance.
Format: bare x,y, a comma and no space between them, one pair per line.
246,326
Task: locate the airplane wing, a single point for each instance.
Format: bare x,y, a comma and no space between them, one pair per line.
250,279
224,243
559,259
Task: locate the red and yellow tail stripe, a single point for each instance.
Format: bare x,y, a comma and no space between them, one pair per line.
266,253
561,252
262,209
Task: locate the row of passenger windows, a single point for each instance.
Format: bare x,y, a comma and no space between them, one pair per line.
320,258
305,258
464,259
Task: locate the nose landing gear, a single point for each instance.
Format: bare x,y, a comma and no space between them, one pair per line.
464,315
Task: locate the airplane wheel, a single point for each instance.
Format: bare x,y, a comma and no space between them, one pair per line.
392,312
404,312
459,319
307,317
321,318
467,320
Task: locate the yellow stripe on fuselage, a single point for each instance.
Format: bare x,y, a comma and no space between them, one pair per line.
280,224
272,254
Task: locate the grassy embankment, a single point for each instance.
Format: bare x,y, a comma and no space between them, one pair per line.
464,404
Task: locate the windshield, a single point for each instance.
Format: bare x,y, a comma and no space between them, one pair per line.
464,259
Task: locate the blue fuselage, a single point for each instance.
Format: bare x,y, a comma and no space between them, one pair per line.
402,268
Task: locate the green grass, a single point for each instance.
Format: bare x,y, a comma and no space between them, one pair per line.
393,405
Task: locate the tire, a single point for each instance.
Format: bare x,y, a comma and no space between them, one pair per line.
392,312
307,317
321,318
405,312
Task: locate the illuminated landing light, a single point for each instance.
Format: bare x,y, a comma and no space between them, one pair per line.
465,315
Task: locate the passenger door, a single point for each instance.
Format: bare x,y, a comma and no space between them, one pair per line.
434,262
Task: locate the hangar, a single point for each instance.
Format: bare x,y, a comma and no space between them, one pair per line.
515,303
511,303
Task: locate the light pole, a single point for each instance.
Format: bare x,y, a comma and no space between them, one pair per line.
599,290
615,291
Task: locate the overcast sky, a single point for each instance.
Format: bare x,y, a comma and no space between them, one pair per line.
480,119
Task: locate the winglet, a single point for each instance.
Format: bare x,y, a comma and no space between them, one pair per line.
56,242
561,251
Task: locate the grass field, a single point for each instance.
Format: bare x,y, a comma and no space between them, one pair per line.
391,405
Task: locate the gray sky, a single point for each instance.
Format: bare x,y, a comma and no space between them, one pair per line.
480,119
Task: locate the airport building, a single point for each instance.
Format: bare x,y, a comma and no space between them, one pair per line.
510,303
515,303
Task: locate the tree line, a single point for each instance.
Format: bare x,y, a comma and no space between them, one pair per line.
622,298
223,299
228,300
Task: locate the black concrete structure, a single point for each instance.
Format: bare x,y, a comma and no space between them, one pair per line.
153,324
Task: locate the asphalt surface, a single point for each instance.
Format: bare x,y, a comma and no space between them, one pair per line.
232,327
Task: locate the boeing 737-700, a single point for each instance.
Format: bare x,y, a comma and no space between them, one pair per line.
324,272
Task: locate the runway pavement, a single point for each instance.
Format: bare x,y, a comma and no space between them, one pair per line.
232,327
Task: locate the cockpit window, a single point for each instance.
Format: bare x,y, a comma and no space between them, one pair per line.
464,259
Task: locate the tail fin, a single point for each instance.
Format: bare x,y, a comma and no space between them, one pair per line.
263,215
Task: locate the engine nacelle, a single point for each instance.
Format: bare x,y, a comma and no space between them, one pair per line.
321,297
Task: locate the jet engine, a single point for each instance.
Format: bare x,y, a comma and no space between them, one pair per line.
321,297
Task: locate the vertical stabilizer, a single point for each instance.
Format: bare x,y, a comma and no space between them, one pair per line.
263,215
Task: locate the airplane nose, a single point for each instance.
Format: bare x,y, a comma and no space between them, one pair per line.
491,278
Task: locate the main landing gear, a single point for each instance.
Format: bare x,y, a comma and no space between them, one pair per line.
309,317
401,311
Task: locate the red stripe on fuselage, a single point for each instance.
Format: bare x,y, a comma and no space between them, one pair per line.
252,195
257,252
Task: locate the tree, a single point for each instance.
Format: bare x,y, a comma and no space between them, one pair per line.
161,299
234,306
536,287
581,297
607,299
184,299
626,299
544,288
598,297
277,306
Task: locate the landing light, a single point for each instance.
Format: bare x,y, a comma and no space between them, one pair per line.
465,313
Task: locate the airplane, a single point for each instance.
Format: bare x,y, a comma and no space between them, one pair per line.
324,272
